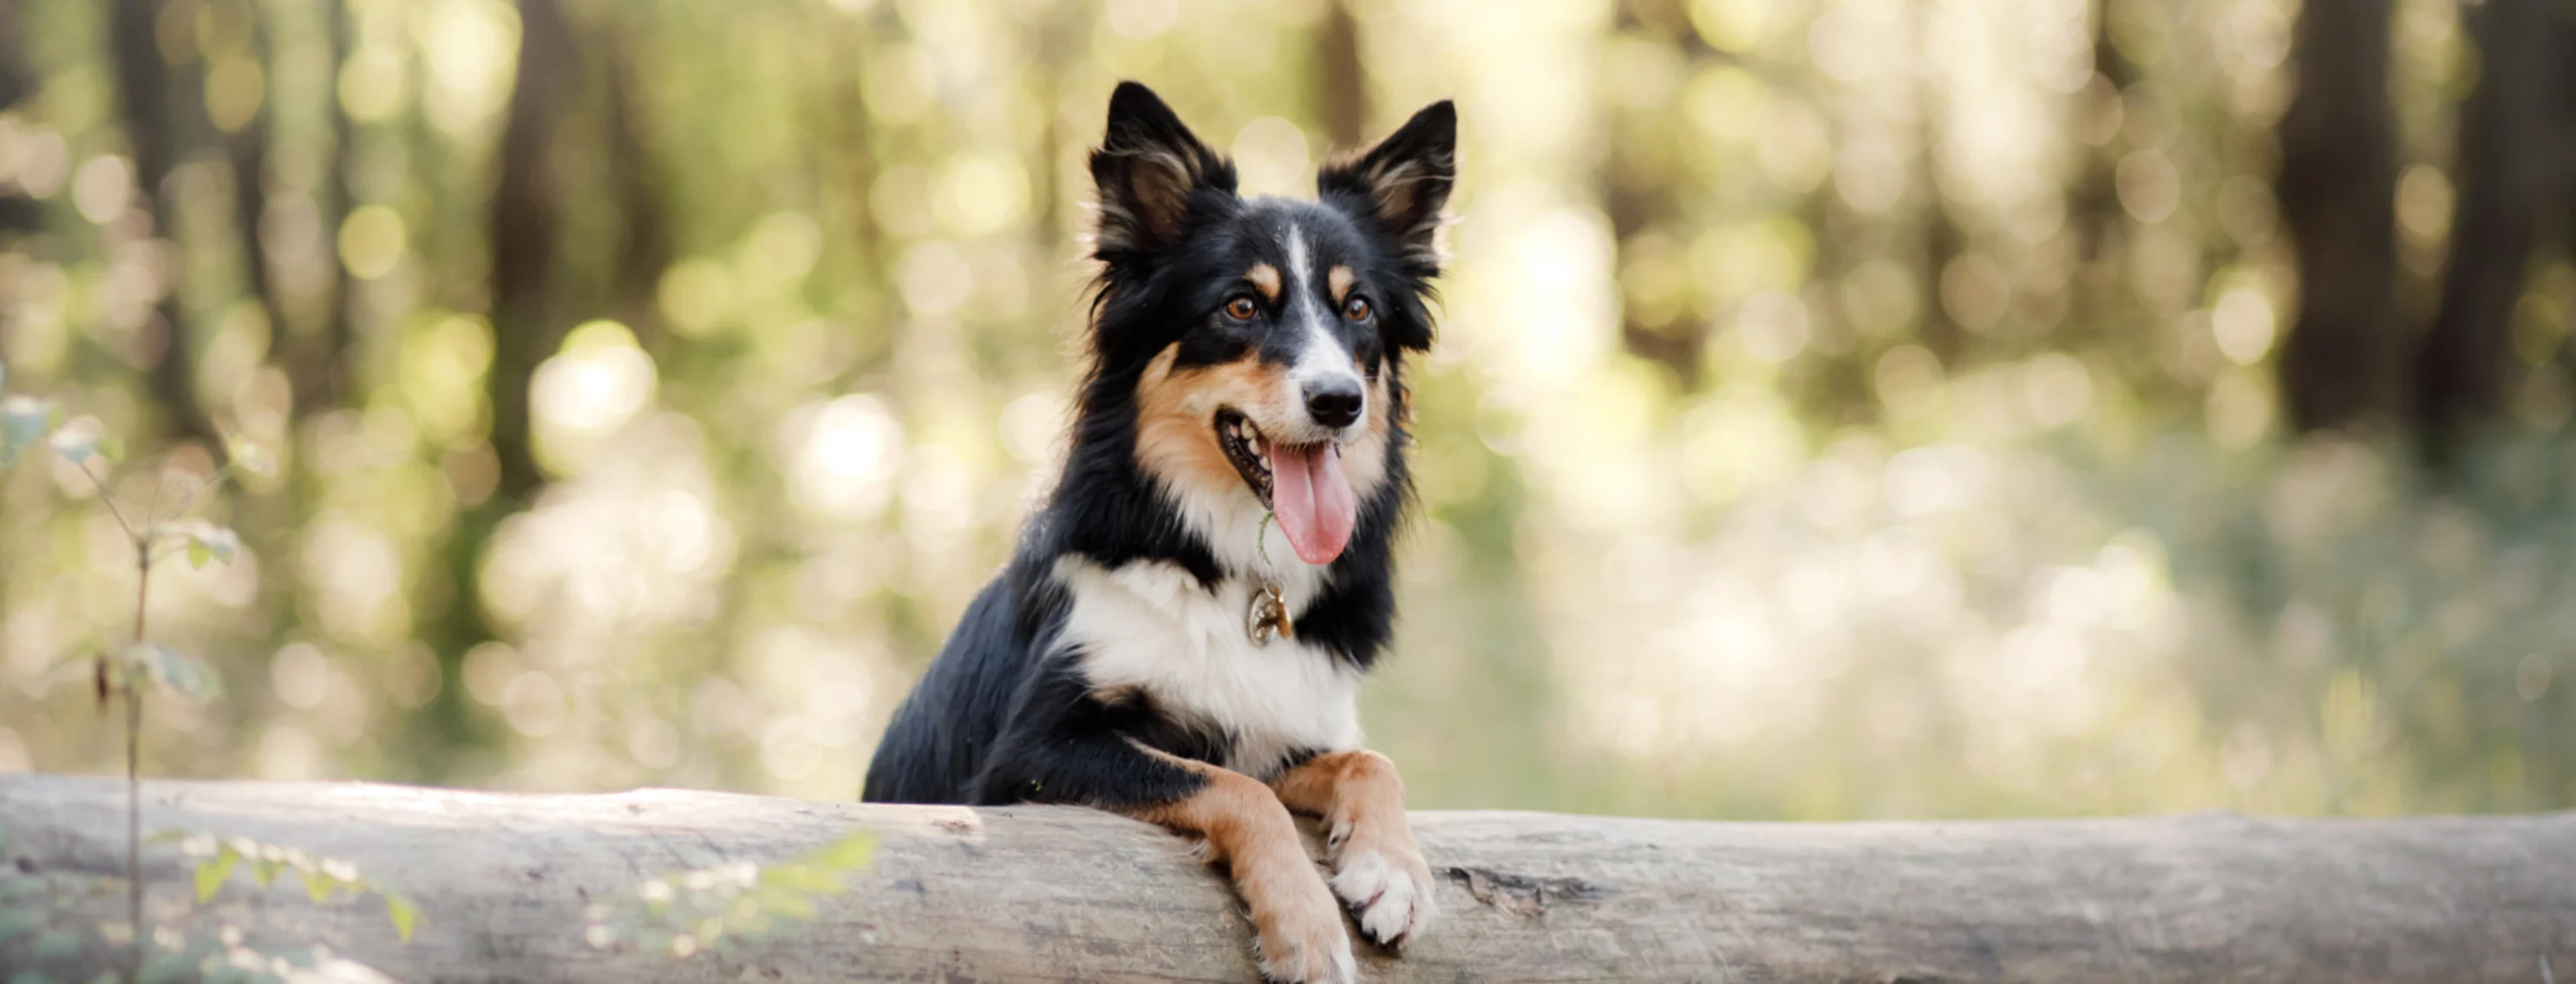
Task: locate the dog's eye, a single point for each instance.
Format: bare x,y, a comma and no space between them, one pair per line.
1240,307
1356,309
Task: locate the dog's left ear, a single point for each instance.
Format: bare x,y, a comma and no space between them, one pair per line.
1402,184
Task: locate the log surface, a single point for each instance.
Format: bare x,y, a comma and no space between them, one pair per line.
1055,893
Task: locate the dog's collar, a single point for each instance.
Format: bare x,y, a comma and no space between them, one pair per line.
1267,616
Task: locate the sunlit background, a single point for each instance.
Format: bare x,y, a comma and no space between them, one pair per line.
1842,408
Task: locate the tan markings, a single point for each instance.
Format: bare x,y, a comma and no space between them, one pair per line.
1340,279
1378,866
1364,457
1264,278
1176,418
1241,825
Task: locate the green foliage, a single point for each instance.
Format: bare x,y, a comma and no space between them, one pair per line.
163,667
23,421
325,880
203,541
51,925
79,441
715,908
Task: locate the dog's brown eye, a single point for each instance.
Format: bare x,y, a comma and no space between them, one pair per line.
1240,308
1356,309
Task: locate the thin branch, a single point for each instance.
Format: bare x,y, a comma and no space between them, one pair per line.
107,497
220,476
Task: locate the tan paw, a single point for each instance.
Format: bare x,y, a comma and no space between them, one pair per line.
1302,941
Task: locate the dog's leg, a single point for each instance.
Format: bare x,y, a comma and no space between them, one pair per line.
1243,825
1236,821
1377,867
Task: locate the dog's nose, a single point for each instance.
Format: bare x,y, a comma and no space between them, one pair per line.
1333,402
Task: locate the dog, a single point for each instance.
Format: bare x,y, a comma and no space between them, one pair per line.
1180,634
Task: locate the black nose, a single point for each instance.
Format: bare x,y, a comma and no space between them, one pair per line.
1333,402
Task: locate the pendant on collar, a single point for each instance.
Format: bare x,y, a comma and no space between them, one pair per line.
1268,617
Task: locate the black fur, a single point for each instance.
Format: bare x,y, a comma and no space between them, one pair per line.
1004,713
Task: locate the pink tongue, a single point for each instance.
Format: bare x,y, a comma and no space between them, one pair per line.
1313,500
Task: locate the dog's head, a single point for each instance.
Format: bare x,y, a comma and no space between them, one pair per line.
1264,336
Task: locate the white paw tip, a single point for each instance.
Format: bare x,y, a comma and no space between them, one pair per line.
1391,903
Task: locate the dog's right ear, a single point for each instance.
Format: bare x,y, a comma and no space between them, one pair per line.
1148,168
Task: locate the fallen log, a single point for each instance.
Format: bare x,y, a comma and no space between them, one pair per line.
512,888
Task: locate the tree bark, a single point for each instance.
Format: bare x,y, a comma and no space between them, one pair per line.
1060,893
2504,165
2342,365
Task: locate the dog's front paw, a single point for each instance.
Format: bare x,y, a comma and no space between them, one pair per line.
1383,878
1301,939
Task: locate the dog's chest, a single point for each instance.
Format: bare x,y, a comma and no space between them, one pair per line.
1150,626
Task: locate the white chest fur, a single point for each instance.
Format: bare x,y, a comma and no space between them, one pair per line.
1149,625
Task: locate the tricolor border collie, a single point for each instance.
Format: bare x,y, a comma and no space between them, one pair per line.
1181,634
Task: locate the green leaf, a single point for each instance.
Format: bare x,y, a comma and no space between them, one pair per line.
175,671
849,854
76,444
404,915
249,457
264,871
23,420
212,872
315,885
206,541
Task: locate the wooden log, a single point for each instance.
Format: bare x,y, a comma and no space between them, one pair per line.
1054,893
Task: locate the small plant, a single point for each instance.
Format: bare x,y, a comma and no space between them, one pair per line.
124,671
27,424
716,908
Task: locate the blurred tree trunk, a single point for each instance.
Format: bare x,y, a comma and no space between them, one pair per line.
1636,193
2102,307
527,208
2343,363
528,204
162,113
322,369
2503,167
1943,240
248,150
18,213
646,249
1341,77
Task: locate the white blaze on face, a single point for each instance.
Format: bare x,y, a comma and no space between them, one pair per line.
1321,356
1313,498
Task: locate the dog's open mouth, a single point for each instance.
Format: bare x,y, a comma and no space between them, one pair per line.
1302,484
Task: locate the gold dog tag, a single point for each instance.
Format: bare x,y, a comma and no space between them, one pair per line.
1268,618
